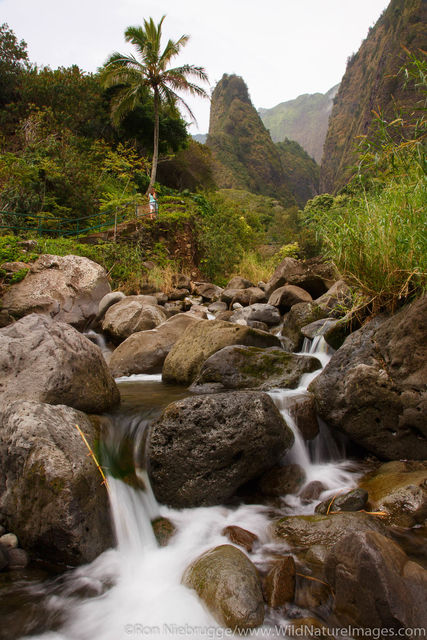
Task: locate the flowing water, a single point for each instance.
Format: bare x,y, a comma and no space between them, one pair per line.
135,589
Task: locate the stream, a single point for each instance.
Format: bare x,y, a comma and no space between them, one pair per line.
135,589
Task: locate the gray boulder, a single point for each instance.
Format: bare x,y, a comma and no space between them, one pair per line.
301,314
67,288
229,585
313,276
258,312
240,367
107,301
373,388
132,314
184,361
51,362
239,283
394,587
146,351
336,300
51,492
285,297
202,449
209,292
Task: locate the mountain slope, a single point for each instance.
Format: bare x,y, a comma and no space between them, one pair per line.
304,119
246,158
370,82
301,172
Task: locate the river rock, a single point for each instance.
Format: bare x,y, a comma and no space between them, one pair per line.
209,292
240,367
229,585
181,281
311,491
174,307
67,288
239,283
52,362
217,307
336,300
200,341
373,388
9,541
281,481
198,311
203,448
17,559
299,316
302,532
285,297
318,327
130,315
107,301
279,583
259,312
3,558
303,410
250,296
51,492
314,277
145,351
178,294
400,490
164,530
394,587
354,500
241,537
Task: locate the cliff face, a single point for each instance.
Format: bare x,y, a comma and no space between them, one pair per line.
301,173
370,82
246,157
304,119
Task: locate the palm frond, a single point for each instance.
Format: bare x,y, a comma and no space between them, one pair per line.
190,70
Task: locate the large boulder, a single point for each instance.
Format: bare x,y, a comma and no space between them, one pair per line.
240,367
145,351
373,388
67,288
209,292
300,315
399,489
285,297
107,301
251,295
51,492
394,587
202,449
52,362
257,312
130,315
313,276
229,585
202,340
336,300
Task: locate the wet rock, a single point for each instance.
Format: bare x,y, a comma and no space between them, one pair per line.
285,297
198,342
259,312
51,362
393,586
312,491
9,541
303,410
146,351
400,490
318,327
228,583
302,532
297,628
239,367
67,288
354,500
209,292
164,530
51,492
203,448
300,315
337,331
316,555
279,583
130,315
373,388
280,481
312,593
240,536
17,559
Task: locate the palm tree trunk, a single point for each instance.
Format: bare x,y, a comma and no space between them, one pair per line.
156,141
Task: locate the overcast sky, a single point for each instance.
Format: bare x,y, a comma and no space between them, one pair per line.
281,48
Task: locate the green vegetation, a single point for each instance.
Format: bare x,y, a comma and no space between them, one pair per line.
133,77
304,120
301,172
376,229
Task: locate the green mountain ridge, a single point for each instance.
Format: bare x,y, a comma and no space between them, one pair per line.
304,119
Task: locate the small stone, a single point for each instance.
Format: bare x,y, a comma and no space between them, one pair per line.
240,536
9,540
352,501
279,583
164,530
17,558
311,491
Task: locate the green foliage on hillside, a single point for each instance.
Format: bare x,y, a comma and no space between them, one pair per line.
304,119
369,83
376,229
300,171
245,154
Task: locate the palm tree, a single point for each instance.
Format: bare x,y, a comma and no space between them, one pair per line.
150,71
